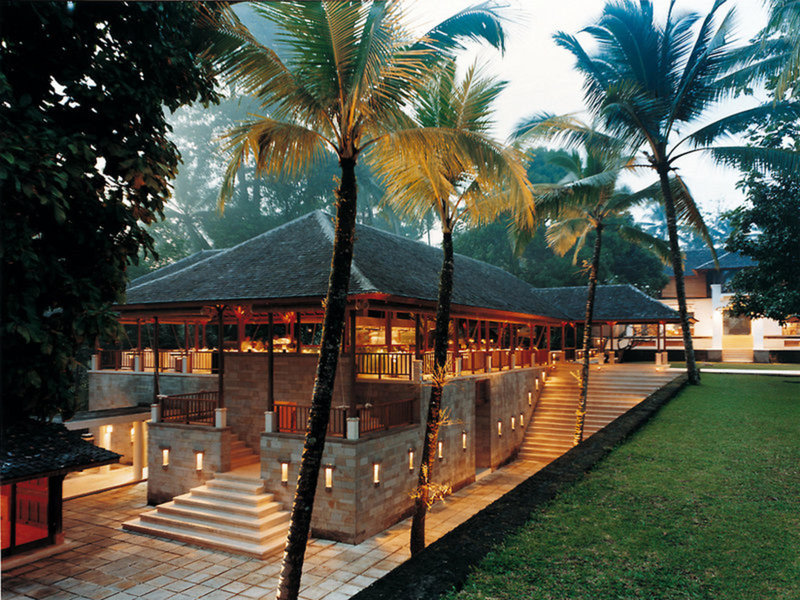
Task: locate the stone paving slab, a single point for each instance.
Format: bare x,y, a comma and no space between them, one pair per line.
107,563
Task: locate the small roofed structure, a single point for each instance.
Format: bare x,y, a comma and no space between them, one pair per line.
34,458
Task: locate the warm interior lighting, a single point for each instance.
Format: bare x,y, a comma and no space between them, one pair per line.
499,428
463,440
109,428
441,451
544,376
165,457
328,478
530,395
521,420
410,459
198,461
284,472
513,423
133,432
376,473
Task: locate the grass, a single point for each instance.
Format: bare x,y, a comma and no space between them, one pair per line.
753,366
702,503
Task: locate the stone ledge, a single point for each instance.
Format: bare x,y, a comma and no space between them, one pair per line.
447,562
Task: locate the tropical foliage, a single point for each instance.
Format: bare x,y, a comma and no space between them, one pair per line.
441,181
587,201
336,82
85,163
649,82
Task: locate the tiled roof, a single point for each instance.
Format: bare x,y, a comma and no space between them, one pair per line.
36,449
703,260
173,267
293,261
612,303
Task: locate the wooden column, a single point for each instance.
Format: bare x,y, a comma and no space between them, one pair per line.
548,341
270,362
221,361
387,331
196,336
156,361
297,337
486,333
139,338
352,411
417,338
455,335
203,332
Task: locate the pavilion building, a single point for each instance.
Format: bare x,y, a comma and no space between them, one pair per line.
244,409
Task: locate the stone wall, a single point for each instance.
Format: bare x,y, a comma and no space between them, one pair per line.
246,379
120,440
119,389
355,508
183,441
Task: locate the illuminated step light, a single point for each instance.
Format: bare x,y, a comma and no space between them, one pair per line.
499,428
109,428
513,423
376,474
410,459
328,478
521,420
530,395
284,472
441,451
198,461
537,387
463,440
133,432
165,457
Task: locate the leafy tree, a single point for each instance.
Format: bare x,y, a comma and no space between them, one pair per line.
587,201
649,81
455,190
85,162
337,82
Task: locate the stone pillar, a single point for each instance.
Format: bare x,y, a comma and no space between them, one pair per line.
717,306
137,363
220,417
155,412
757,331
95,365
416,370
458,366
269,421
488,363
138,450
352,428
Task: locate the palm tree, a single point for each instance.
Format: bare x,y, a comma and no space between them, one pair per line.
345,73
586,201
455,190
648,82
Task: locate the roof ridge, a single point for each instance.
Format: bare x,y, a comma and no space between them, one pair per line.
330,233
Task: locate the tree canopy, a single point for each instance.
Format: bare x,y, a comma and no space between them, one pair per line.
85,162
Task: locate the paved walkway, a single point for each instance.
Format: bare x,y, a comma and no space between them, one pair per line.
734,371
108,563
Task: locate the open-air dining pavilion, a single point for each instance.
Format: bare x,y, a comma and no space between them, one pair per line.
247,407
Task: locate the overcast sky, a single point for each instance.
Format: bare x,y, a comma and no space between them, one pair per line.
541,77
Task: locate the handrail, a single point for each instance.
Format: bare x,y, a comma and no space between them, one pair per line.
293,418
196,408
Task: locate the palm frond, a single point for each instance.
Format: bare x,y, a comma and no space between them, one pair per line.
563,234
657,246
480,22
765,160
276,147
740,121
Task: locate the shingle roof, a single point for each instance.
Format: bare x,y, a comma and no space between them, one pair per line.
612,303
293,261
173,267
36,449
703,260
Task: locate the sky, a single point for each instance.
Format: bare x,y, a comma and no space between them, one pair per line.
541,75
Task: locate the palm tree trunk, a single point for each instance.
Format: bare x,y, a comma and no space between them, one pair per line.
441,338
677,269
333,324
587,337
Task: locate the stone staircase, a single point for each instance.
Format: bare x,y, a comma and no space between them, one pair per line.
231,512
737,355
241,455
613,389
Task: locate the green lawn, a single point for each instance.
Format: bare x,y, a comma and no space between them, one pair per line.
703,503
754,366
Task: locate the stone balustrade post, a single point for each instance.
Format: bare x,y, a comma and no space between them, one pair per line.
220,417
269,421
416,370
155,412
352,428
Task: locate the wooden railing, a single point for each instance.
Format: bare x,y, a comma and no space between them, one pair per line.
384,416
196,408
428,362
384,364
117,360
293,418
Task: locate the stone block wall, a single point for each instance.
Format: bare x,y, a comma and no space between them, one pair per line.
120,439
355,508
119,389
164,483
246,379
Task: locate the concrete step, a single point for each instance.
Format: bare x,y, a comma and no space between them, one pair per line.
212,541
197,525
233,508
247,487
225,495
270,516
